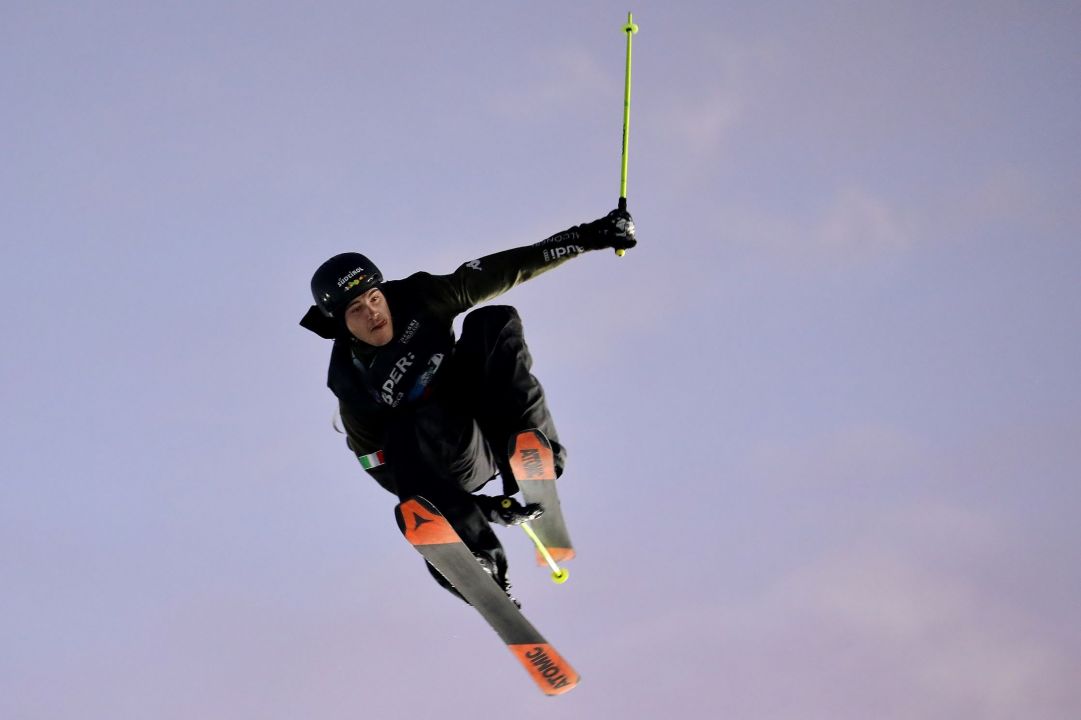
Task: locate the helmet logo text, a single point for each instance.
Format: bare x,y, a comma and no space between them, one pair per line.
349,276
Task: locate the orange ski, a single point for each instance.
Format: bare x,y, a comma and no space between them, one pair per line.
533,464
434,538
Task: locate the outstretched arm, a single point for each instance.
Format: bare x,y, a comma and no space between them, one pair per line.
492,275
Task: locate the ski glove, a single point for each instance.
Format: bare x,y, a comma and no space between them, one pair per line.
614,230
508,511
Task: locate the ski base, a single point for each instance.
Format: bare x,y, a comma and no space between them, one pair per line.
533,464
434,538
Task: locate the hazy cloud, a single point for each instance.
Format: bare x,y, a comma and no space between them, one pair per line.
704,123
855,227
883,627
724,78
572,74
950,645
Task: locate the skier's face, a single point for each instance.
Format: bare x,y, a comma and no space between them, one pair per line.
368,318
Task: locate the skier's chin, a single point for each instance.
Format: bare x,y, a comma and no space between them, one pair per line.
379,335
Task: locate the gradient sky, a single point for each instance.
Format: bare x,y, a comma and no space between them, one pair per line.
824,423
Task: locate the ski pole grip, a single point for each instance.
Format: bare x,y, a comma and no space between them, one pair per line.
622,205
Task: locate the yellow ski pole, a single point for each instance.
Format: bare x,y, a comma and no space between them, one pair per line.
630,28
559,575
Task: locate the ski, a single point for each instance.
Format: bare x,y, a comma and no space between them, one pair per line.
533,464
434,537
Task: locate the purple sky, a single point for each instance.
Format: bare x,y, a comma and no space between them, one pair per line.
824,423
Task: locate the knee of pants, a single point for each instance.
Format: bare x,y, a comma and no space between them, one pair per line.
491,317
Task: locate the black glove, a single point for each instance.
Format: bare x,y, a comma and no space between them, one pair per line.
508,511
614,230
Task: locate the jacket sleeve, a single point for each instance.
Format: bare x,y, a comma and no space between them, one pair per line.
485,278
365,436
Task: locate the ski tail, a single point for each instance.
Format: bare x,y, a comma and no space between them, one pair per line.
531,457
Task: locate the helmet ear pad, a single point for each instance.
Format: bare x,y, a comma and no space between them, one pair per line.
341,279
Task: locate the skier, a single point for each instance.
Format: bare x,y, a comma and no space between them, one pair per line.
429,416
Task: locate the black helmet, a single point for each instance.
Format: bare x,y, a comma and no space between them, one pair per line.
342,278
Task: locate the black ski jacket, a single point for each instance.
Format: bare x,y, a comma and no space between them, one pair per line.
379,385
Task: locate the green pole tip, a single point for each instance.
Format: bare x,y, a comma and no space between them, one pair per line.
630,27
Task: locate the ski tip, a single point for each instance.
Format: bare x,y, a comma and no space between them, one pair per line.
559,554
423,524
553,674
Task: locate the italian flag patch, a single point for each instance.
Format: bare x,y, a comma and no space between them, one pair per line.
373,460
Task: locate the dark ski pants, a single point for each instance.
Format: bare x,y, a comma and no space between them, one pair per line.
451,446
